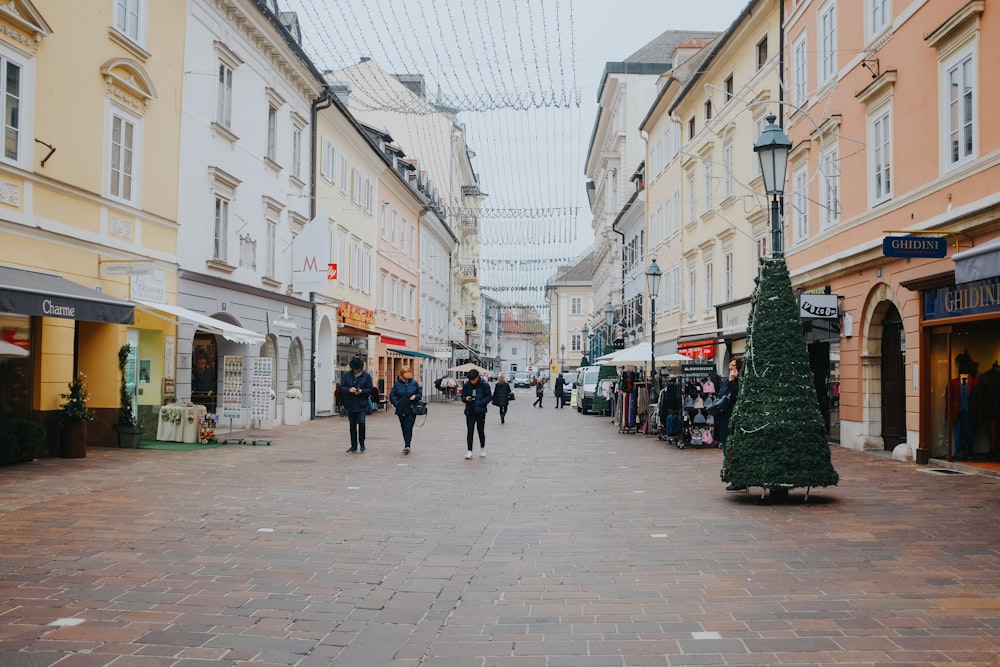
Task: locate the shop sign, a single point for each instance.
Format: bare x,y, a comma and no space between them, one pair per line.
698,349
390,340
934,247
151,286
818,306
442,353
698,370
975,298
356,316
285,322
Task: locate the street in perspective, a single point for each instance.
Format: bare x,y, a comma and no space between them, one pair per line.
568,544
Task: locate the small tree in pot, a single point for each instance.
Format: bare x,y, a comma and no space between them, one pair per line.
73,417
129,426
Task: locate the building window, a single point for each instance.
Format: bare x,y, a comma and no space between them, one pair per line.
575,343
708,110
224,107
342,257
123,159
727,168
800,205
761,244
691,128
272,134
960,91
383,287
729,87
692,205
675,276
297,153
692,292
11,91
879,16
128,18
709,186
881,156
800,67
728,278
762,53
576,306
709,287
221,229
829,187
270,248
827,30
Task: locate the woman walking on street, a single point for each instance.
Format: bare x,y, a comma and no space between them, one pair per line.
404,395
476,395
539,390
502,395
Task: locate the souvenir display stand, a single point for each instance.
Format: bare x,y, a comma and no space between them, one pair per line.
232,394
670,412
261,394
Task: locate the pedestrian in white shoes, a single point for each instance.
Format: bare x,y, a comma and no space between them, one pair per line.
477,395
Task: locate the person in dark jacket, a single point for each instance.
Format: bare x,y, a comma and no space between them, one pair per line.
560,391
404,395
539,391
728,391
502,394
355,390
476,395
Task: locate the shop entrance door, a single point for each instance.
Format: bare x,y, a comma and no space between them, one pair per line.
893,381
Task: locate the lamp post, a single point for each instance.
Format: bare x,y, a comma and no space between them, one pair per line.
772,149
586,337
653,274
562,356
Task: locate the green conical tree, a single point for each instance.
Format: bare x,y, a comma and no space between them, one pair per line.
777,437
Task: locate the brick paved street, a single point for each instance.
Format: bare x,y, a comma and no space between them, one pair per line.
568,545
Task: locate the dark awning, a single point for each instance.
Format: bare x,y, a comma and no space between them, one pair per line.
412,353
44,294
978,263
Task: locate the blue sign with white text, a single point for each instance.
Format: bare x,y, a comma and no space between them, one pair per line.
934,247
975,298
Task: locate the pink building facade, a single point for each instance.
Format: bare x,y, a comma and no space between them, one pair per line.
890,105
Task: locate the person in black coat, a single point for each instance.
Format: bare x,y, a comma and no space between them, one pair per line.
476,395
502,395
560,391
355,390
728,392
404,395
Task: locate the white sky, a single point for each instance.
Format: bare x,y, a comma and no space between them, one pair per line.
525,74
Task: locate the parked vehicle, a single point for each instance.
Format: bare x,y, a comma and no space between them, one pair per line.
587,380
521,380
570,378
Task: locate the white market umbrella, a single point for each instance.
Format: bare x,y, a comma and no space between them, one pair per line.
637,354
673,357
464,368
9,350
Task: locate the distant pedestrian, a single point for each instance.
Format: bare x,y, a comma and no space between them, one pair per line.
728,391
502,395
356,389
404,395
539,391
476,395
560,391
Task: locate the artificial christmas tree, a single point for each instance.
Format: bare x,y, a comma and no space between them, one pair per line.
777,439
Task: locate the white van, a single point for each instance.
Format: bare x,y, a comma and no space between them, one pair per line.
586,383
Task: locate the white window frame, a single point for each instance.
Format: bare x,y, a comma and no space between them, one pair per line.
342,171
22,113
297,152
130,20
692,292
692,199
829,187
709,285
224,94
878,17
272,133
220,229
383,287
675,273
342,256
800,71
124,160
727,168
800,203
880,165
575,342
826,31
575,305
968,118
270,248
730,267
708,178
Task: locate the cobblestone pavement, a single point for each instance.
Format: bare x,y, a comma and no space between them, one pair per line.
568,545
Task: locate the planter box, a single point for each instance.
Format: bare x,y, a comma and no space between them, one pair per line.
73,440
293,411
129,437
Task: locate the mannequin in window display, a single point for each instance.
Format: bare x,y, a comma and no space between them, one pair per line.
963,403
989,404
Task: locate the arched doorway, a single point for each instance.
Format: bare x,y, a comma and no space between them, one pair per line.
893,387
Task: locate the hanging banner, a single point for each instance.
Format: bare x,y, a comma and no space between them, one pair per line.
311,255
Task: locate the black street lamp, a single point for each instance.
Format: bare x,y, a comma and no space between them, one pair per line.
772,150
562,357
653,274
586,337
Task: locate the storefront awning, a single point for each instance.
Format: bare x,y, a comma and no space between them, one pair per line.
206,323
978,263
412,353
46,295
357,332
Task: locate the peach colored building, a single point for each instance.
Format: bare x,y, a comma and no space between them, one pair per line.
888,108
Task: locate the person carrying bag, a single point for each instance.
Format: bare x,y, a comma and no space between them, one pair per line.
405,396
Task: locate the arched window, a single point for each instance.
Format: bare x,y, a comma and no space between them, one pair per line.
295,364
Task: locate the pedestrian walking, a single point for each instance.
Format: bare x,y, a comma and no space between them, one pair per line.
728,391
404,396
502,396
560,391
539,391
356,389
477,396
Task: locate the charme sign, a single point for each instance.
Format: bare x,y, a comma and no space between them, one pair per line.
975,298
52,309
915,246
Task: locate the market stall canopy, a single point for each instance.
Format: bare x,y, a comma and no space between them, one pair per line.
9,350
206,323
411,353
673,358
47,295
978,263
464,368
637,354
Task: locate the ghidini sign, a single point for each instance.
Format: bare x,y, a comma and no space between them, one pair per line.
55,310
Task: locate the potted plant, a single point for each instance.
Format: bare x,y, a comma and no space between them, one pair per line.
73,418
129,426
20,440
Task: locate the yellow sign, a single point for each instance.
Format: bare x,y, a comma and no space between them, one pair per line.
554,368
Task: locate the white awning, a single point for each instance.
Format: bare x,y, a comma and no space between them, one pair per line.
206,323
978,263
